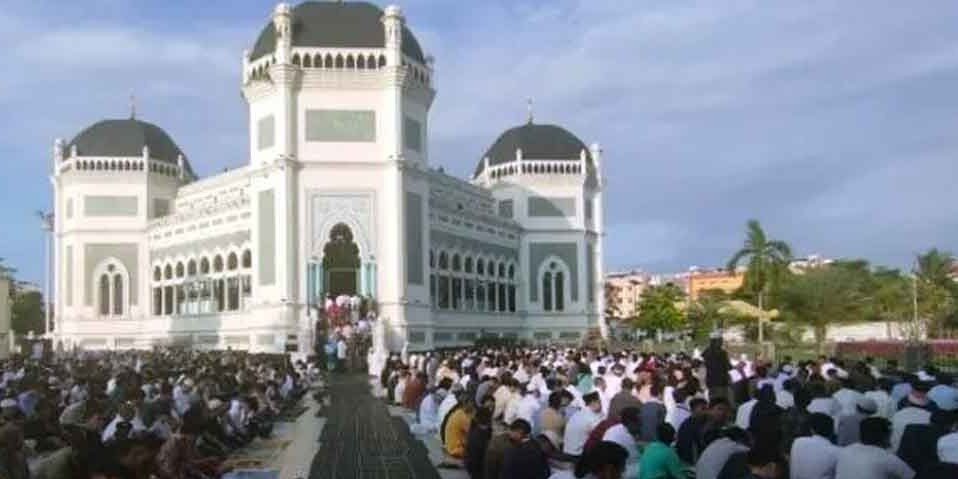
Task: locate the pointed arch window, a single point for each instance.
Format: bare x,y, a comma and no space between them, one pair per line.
110,279
553,287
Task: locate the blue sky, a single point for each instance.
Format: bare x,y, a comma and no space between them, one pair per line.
834,123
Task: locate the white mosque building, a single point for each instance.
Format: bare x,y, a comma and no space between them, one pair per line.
338,197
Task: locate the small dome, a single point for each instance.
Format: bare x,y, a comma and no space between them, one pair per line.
339,25
537,142
125,138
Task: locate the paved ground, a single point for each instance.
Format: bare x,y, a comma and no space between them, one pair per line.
361,439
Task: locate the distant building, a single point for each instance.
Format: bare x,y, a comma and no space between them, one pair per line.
624,291
720,279
800,265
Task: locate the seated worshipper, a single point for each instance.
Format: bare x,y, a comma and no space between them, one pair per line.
849,424
551,417
947,449
179,458
919,442
581,424
743,415
730,441
449,402
486,387
604,461
764,463
765,419
429,412
918,397
625,434
525,459
13,460
43,429
659,460
915,408
126,417
399,389
74,460
822,402
814,456
680,410
870,457
529,406
480,433
652,413
415,391
495,453
623,399
689,439
457,432
10,410
502,395
848,396
944,395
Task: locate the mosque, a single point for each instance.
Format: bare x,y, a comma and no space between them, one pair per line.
338,197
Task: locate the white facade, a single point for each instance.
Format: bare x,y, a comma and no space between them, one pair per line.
147,254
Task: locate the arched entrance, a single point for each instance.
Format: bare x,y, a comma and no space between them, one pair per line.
341,262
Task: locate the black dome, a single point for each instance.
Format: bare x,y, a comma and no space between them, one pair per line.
125,138
537,142
336,24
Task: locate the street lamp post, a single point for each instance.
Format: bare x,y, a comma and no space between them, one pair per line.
46,224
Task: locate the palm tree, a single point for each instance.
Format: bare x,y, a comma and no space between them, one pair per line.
765,259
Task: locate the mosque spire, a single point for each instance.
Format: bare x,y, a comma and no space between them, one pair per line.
529,108
132,106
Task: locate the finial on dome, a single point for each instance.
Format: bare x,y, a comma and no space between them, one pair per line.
132,106
529,108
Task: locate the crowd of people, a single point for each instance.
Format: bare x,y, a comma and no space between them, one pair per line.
537,413
344,331
166,414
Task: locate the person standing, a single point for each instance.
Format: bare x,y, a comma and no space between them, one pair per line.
717,365
341,354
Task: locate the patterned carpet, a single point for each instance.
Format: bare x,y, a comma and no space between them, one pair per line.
361,439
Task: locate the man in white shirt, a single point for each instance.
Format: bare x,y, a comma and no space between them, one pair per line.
744,415
815,456
904,417
870,458
848,398
529,406
882,398
624,434
714,457
581,424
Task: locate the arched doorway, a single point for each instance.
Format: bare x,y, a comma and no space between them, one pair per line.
341,262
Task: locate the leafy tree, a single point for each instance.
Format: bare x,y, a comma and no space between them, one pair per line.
27,312
706,312
937,291
6,272
830,294
890,296
766,261
612,295
659,308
